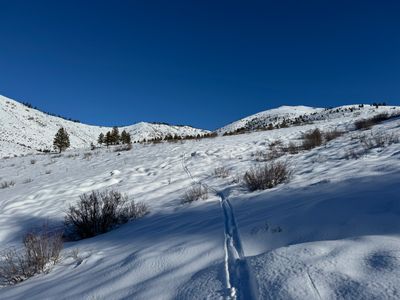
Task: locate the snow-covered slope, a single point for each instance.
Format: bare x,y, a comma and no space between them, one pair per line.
274,116
25,130
331,232
286,116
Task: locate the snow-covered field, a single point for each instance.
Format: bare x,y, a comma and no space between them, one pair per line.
331,232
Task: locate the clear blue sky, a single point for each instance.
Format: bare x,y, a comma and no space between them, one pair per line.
203,63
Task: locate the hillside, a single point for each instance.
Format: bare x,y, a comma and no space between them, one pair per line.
26,130
287,116
331,231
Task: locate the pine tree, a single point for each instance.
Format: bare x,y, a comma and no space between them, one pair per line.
125,137
61,140
108,139
100,140
115,135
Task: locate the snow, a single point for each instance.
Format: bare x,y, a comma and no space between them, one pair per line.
25,130
271,115
331,232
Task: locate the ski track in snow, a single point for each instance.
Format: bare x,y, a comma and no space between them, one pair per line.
239,282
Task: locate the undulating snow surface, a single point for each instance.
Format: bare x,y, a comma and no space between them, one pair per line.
25,130
331,232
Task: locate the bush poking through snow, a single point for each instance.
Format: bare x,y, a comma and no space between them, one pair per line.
87,155
368,123
266,176
292,148
331,135
125,147
41,250
194,193
99,212
221,172
7,184
312,139
378,140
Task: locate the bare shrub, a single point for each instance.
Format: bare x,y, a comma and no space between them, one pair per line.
194,193
353,154
221,172
292,148
260,155
378,140
99,212
28,180
7,184
312,139
266,176
41,249
275,150
87,155
331,135
125,147
33,161
368,123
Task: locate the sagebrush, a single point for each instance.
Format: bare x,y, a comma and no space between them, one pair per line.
194,193
266,176
41,249
99,212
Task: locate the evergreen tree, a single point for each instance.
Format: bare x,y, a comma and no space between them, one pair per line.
125,137
108,139
61,140
100,140
115,135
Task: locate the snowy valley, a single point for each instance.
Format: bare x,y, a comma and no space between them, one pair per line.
330,230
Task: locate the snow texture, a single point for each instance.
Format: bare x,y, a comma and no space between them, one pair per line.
331,232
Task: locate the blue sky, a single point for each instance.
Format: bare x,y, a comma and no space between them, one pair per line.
202,63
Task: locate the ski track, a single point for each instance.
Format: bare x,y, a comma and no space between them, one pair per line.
239,282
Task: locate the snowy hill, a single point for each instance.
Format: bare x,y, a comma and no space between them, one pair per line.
331,231
286,116
26,130
269,116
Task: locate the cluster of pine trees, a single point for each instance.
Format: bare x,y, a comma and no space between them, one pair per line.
113,137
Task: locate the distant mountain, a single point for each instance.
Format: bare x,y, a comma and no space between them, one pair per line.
25,130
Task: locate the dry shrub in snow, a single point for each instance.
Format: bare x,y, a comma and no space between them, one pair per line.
7,184
99,212
221,172
41,250
275,150
367,123
194,193
377,140
266,176
331,135
292,148
312,139
87,155
125,147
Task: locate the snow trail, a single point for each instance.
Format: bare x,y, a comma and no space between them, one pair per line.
240,283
